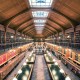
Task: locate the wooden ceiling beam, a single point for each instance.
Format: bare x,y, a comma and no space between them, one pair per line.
26,28
23,23
62,27
71,21
32,32
48,30
52,27
8,21
29,30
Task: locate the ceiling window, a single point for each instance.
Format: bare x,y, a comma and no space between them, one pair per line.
39,28
40,3
39,21
39,24
40,13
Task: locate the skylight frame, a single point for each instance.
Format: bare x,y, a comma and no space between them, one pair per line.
39,21
40,14
39,28
40,3
39,25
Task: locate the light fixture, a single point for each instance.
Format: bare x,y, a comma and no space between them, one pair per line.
27,73
24,63
24,77
68,36
53,72
54,60
20,71
56,63
56,77
26,60
67,78
14,78
61,70
12,36
59,37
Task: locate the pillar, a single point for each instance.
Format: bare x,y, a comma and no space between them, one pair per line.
5,38
74,37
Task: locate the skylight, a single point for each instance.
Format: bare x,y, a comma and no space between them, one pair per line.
39,24
40,16
39,21
40,13
40,3
39,28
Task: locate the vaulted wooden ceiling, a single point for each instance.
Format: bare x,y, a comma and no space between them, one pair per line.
16,14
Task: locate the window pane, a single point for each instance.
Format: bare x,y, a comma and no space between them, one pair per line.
40,3
40,13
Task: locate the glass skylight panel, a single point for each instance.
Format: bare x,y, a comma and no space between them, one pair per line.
40,3
39,21
39,24
40,13
39,28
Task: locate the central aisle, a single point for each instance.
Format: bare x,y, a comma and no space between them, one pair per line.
40,71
